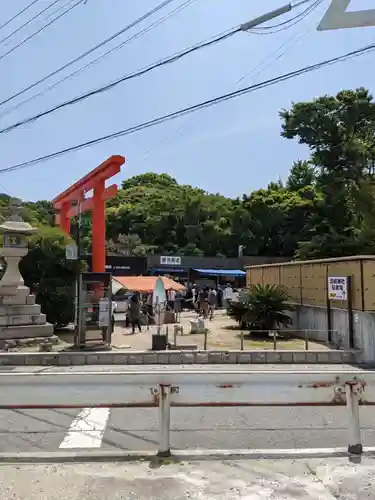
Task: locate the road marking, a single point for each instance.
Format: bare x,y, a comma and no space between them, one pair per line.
87,429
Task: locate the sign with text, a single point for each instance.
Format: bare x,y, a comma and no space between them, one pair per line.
338,17
170,260
71,252
338,288
103,313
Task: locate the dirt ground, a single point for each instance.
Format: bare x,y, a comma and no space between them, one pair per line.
222,334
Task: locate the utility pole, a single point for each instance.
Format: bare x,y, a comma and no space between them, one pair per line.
79,340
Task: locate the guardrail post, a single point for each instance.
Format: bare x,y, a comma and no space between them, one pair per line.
242,335
164,421
352,403
306,340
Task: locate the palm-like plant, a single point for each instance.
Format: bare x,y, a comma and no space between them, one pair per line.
262,308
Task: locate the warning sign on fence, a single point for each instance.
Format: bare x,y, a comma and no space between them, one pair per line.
338,288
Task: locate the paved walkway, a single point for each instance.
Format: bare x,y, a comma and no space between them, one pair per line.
329,479
223,334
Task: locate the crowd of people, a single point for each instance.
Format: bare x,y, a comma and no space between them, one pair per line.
203,299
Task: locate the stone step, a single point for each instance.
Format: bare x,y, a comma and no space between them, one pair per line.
23,319
23,297
18,310
26,331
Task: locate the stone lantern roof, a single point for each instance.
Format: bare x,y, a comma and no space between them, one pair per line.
15,224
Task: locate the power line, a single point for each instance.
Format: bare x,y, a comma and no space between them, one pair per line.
18,14
291,21
275,55
148,28
28,22
175,57
111,85
84,54
41,29
194,108
302,15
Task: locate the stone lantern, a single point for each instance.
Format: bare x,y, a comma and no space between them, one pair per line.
15,231
20,316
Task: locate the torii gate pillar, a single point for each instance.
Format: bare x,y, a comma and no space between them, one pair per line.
94,181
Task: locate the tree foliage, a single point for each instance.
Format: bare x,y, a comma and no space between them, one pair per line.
49,275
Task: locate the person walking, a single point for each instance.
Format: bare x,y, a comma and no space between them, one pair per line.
203,303
113,319
212,301
135,313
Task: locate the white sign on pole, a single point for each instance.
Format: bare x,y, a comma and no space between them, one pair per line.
103,313
170,260
338,17
71,252
338,288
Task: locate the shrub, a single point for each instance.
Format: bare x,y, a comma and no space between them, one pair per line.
262,308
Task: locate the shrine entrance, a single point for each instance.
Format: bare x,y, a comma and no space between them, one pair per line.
72,202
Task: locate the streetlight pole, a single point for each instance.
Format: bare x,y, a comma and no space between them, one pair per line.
271,15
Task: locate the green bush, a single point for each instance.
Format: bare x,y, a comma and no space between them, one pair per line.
50,276
261,308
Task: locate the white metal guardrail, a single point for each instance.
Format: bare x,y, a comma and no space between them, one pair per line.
189,388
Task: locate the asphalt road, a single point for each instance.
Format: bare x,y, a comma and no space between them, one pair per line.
137,429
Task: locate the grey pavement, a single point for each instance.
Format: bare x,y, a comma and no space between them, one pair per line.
211,428
137,429
329,479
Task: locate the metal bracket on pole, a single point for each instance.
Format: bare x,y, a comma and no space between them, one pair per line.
353,392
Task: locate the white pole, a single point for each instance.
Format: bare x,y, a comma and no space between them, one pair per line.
164,421
352,404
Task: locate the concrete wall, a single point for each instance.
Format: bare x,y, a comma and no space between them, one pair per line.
306,281
180,358
314,319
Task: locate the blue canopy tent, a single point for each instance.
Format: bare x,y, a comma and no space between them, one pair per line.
221,272
218,273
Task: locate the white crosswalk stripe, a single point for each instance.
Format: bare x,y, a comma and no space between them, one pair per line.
87,429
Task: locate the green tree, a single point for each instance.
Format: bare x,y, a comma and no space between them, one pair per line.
49,275
302,174
340,134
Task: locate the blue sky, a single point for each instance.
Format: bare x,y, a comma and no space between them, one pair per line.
232,148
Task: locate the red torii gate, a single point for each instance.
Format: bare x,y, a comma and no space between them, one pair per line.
95,180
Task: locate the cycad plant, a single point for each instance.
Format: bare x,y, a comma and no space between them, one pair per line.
261,308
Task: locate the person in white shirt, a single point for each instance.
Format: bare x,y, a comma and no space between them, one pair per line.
228,294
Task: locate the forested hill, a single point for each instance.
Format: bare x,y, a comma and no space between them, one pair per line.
325,208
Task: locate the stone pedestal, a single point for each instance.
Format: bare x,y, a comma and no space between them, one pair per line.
20,317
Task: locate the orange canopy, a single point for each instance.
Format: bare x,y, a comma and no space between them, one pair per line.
146,283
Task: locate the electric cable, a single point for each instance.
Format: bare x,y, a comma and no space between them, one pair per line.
175,57
114,83
153,25
29,21
153,151
41,29
288,23
196,107
18,14
84,54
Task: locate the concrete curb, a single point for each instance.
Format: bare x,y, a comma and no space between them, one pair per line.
176,455
231,357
